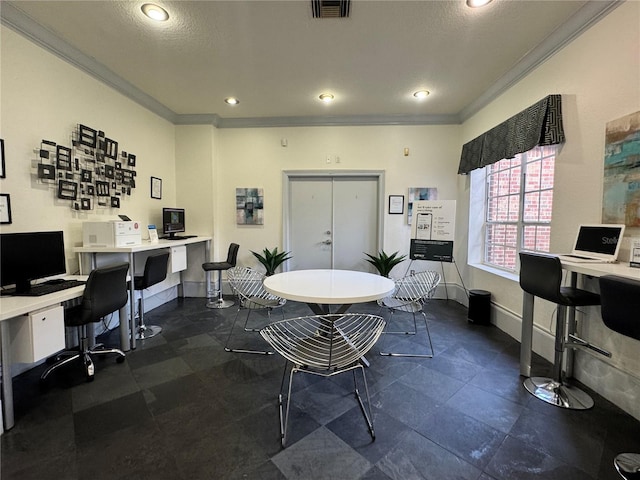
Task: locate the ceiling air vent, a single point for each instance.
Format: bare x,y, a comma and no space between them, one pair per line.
330,8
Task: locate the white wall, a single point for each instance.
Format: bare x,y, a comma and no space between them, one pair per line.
43,97
598,75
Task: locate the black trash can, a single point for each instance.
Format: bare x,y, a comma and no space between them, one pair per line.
479,307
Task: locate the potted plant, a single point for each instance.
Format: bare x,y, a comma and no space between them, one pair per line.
271,259
384,263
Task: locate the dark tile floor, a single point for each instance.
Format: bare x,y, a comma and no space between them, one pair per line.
180,407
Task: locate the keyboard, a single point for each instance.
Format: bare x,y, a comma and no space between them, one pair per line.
44,288
182,237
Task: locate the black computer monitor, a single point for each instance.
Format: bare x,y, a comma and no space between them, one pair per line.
29,256
172,221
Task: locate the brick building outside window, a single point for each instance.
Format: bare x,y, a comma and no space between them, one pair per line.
519,201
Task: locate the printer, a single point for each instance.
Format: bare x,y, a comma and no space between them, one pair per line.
111,234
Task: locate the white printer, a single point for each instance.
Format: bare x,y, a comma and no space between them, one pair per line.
111,234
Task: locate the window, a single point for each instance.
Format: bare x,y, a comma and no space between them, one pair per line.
519,200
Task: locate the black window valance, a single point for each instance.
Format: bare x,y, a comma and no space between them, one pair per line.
540,124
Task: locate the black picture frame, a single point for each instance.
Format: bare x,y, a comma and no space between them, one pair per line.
396,204
156,188
3,173
5,208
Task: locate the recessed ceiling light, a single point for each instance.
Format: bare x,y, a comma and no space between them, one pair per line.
477,3
155,12
231,101
326,97
420,94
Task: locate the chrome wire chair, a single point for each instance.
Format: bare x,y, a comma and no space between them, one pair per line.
410,295
324,345
246,284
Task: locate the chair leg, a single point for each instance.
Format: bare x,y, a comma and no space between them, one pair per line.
284,419
219,302
553,390
415,331
227,348
145,331
366,412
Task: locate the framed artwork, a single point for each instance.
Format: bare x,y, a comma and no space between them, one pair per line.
2,167
5,208
249,206
396,204
156,187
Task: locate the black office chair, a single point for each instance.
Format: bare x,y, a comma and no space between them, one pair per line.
232,256
620,304
104,293
541,276
155,271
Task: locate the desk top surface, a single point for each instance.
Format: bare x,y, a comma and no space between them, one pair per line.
14,306
143,247
599,269
329,286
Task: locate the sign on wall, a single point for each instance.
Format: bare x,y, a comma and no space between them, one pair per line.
433,230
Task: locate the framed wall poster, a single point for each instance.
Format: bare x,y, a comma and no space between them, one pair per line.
2,167
396,204
156,187
5,208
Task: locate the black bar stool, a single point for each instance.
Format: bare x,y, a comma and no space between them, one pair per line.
541,276
232,255
155,271
620,304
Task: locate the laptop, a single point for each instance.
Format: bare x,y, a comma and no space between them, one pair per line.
596,244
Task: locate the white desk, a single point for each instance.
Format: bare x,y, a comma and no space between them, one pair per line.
11,307
322,288
589,269
130,252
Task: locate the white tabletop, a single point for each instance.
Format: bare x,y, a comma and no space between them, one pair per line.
329,286
599,269
143,247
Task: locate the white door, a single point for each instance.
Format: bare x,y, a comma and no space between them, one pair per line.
333,220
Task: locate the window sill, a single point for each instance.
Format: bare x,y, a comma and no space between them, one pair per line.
496,271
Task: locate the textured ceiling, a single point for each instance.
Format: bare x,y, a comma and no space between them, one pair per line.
277,59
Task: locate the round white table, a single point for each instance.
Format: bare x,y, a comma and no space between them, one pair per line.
321,289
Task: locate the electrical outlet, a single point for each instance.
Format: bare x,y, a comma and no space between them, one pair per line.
328,158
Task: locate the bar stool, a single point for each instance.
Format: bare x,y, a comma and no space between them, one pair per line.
232,255
620,304
541,276
155,271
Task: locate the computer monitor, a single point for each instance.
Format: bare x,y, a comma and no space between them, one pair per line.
29,256
172,221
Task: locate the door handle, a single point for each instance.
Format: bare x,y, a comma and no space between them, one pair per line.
327,242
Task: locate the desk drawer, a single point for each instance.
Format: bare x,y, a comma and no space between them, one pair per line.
37,335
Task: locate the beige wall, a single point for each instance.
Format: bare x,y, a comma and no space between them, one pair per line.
598,75
43,97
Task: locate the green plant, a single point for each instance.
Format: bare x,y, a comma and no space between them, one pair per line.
271,259
384,263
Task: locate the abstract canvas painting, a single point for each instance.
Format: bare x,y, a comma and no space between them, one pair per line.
249,206
621,189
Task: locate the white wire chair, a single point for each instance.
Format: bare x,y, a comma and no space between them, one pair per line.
324,345
247,284
410,295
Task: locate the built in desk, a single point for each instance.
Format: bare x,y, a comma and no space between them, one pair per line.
127,336
588,269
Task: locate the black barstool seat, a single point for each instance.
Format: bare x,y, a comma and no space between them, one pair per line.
232,256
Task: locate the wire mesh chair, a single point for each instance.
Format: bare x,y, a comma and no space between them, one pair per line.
324,345
247,285
410,295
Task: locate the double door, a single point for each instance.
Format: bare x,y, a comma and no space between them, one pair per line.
333,220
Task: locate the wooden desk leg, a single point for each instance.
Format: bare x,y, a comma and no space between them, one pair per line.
7,381
526,337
